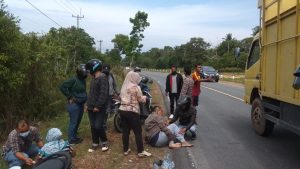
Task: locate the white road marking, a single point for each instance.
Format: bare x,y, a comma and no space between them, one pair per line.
224,93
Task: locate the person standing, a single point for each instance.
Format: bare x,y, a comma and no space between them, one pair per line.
197,84
188,83
19,148
112,91
97,104
131,95
174,83
75,91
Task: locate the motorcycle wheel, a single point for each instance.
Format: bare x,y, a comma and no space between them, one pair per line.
117,123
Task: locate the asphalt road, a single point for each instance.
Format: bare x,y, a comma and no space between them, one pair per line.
225,139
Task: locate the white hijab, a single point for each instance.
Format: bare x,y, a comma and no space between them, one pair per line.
132,79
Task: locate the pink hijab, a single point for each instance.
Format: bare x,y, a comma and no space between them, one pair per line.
132,79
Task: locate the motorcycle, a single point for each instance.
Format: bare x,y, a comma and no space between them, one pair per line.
145,109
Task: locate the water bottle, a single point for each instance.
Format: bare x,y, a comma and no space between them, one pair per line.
168,163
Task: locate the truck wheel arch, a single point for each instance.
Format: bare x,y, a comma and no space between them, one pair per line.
254,94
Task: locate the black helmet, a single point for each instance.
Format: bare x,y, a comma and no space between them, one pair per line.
93,65
184,102
137,69
145,79
81,71
106,69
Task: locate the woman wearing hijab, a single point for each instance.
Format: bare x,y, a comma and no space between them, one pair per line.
131,95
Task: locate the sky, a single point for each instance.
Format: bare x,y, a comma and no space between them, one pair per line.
172,22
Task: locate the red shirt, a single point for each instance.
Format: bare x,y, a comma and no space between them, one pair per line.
196,89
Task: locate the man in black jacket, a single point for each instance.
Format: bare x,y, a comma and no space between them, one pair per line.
174,83
97,103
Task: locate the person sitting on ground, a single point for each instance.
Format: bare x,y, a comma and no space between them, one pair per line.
186,114
159,133
55,144
18,149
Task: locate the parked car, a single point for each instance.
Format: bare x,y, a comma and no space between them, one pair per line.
208,71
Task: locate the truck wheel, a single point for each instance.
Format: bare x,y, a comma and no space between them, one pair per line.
262,126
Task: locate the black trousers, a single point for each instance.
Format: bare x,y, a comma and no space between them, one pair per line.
173,98
97,129
131,121
195,101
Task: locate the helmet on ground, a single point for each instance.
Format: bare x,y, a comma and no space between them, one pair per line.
93,65
184,102
81,71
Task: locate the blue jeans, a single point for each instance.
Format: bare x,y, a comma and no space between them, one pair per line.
97,126
163,139
12,160
75,113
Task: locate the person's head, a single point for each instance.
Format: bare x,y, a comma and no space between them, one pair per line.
106,69
173,69
81,71
94,65
187,70
133,77
53,135
159,110
184,103
198,68
22,127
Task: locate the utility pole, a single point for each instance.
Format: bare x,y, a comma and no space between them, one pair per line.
100,43
78,17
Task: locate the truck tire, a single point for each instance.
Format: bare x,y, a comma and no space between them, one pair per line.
262,126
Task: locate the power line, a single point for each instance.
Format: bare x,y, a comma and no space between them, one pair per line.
69,2
64,7
43,13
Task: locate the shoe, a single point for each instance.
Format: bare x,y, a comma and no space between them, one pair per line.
77,141
104,147
144,154
93,148
127,152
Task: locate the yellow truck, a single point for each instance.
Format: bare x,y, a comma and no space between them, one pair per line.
272,73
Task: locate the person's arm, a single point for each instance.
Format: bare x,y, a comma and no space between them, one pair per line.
167,85
37,138
66,87
140,97
175,118
114,84
26,160
16,149
180,82
192,122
